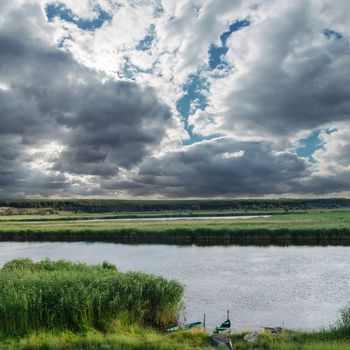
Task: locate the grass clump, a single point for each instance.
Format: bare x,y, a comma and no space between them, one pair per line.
62,295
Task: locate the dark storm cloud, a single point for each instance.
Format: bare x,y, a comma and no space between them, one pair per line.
323,185
220,167
113,125
45,96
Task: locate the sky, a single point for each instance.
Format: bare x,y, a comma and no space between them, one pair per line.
174,98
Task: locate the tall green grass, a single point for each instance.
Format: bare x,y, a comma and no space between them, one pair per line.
64,295
122,338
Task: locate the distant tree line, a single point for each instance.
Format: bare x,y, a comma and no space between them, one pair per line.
111,205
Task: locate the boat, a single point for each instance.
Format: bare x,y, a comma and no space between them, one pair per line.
224,327
185,327
251,337
222,340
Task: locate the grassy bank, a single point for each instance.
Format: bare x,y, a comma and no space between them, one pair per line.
133,337
314,228
121,337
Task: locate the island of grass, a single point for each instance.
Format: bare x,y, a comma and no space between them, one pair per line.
310,227
65,306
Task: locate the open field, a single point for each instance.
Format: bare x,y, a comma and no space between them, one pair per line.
311,227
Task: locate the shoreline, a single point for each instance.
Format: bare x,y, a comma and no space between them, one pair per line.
186,236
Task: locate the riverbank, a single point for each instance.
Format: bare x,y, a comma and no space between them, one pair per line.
137,338
188,236
330,227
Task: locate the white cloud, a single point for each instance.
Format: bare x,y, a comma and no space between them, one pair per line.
230,155
4,86
334,157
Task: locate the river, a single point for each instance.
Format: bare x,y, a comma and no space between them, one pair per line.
165,218
294,287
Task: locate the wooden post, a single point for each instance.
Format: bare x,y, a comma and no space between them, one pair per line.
228,314
204,322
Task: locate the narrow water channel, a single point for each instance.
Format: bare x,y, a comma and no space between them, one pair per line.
294,287
168,218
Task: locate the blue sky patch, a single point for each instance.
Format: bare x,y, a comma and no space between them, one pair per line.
196,87
194,94
130,70
158,9
194,98
217,53
312,143
234,27
64,13
146,43
332,34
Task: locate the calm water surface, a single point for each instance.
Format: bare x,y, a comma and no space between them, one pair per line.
175,218
295,287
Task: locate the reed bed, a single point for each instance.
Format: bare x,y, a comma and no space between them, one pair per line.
63,295
205,235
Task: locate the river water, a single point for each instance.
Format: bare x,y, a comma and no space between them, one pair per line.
165,218
294,287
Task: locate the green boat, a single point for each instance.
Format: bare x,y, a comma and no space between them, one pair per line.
224,327
186,326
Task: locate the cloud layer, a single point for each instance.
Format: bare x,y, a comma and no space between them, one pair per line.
92,98
220,167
